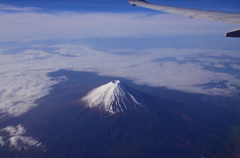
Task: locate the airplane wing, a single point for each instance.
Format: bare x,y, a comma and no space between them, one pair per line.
233,18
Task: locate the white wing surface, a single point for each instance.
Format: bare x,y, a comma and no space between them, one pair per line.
233,18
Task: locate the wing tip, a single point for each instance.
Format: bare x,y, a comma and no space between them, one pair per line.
233,33
134,2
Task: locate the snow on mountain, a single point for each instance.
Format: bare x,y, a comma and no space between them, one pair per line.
113,97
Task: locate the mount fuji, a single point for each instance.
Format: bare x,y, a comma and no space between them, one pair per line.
113,97
123,120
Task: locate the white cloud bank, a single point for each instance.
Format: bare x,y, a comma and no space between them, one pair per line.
4,7
24,26
15,131
1,141
24,79
17,140
21,88
235,66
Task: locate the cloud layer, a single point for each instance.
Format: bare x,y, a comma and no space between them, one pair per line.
4,7
24,79
22,26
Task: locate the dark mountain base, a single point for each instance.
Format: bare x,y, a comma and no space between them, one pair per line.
162,128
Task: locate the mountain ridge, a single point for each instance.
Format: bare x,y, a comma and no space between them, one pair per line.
113,97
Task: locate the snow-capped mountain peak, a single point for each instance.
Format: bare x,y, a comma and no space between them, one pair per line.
113,97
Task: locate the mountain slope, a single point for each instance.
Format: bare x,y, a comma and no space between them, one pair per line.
113,97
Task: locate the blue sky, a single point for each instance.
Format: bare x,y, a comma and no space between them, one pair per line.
28,20
121,5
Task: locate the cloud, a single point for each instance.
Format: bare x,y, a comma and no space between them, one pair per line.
36,54
4,7
69,25
1,141
235,66
22,88
23,81
14,131
17,140
23,142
